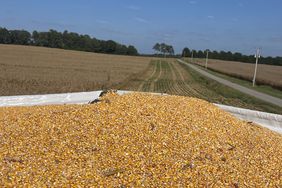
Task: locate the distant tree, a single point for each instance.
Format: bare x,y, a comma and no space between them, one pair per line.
229,56
55,39
5,37
132,50
170,50
163,48
65,40
108,46
195,53
21,37
121,49
85,43
201,54
186,52
223,55
214,54
237,56
40,38
157,47
96,45
34,38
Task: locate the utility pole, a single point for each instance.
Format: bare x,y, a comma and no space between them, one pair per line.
207,58
257,56
192,56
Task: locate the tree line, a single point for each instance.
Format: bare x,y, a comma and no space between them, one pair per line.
162,48
229,56
64,40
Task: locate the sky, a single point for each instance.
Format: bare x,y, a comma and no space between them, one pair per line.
230,25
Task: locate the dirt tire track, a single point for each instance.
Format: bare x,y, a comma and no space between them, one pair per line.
168,76
176,88
148,82
187,89
153,83
172,89
191,88
202,92
167,81
140,88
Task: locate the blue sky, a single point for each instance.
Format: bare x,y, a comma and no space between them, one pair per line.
235,25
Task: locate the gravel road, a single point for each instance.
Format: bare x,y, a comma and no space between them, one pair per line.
259,95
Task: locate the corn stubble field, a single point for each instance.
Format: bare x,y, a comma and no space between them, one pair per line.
172,77
267,74
34,70
37,70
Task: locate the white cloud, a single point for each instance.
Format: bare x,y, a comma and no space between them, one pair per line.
234,19
192,2
133,7
102,21
142,20
211,17
167,35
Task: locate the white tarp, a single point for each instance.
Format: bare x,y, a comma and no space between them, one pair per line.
271,121
268,120
62,98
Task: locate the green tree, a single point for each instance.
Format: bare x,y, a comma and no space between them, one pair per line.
170,50
55,39
65,40
5,37
96,45
163,48
131,50
237,56
214,54
200,54
157,47
21,37
121,49
108,46
186,52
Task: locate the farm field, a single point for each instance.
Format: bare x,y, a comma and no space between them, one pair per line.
261,88
169,76
266,74
38,70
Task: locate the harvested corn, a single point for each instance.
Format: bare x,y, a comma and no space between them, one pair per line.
136,140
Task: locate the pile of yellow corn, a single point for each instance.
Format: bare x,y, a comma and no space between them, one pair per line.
136,140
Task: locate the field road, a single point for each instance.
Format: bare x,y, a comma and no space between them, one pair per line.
259,95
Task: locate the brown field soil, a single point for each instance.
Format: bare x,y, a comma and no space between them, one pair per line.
34,70
266,74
